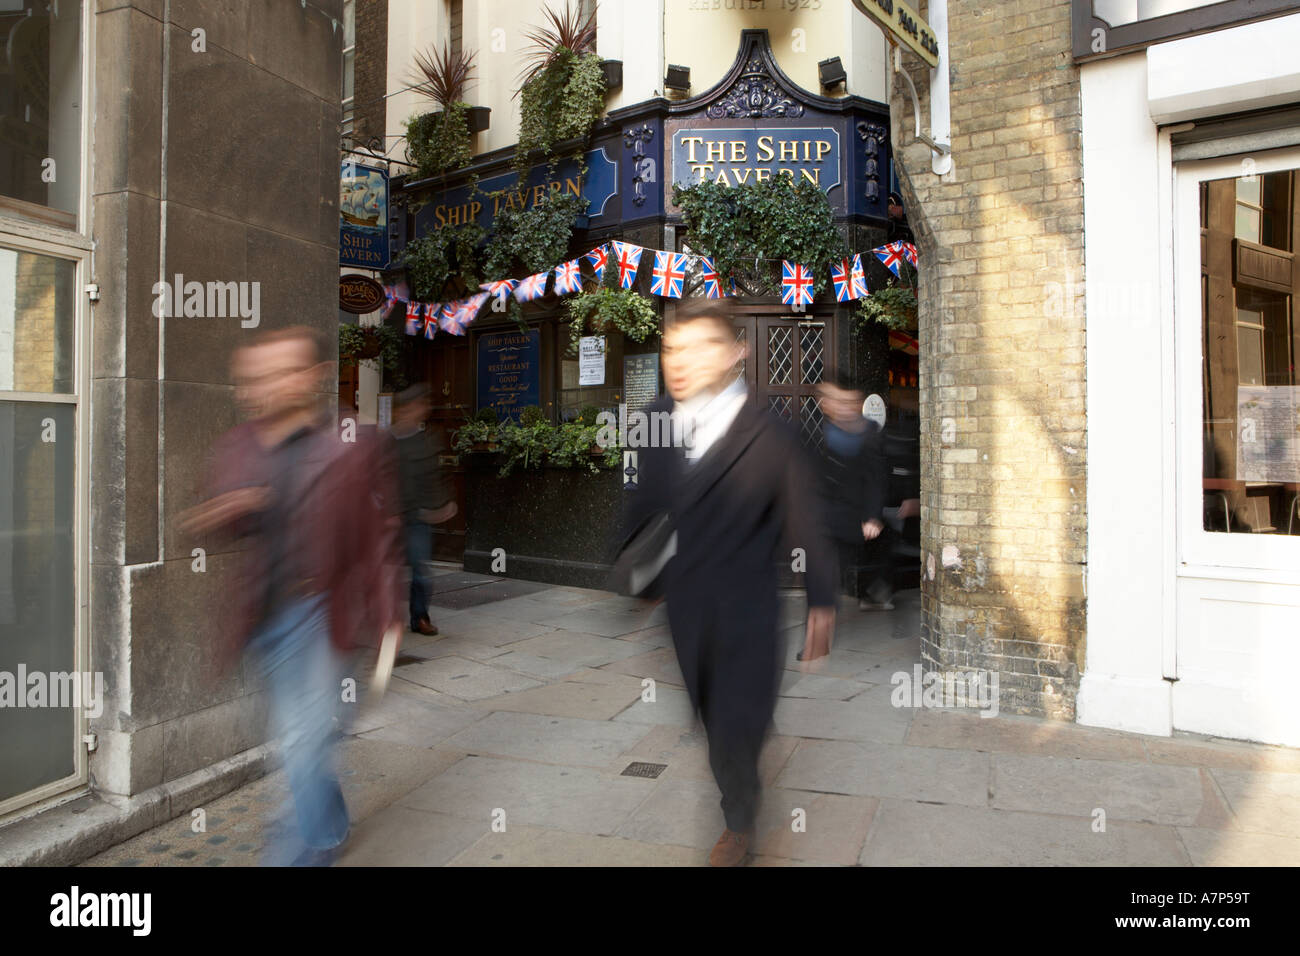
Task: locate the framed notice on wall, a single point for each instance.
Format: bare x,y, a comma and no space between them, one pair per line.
640,379
591,360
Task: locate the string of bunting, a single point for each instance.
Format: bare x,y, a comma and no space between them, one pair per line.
848,279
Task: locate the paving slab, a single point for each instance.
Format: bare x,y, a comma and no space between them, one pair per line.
585,699
841,720
958,730
670,706
1149,793
466,679
679,812
557,740
909,833
400,836
496,631
607,622
537,794
577,650
535,846
659,665
834,826
1207,847
795,684
1195,751
887,770
402,719
1261,801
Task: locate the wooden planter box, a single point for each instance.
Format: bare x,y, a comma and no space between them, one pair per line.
557,525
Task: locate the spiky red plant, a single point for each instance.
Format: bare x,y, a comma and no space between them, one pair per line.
564,31
442,77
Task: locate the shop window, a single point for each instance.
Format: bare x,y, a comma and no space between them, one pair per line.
40,111
1251,393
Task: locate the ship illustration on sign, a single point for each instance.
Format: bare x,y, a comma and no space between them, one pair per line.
362,199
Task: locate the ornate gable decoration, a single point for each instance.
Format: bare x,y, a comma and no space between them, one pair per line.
754,88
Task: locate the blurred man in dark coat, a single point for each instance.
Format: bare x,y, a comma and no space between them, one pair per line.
855,481
425,497
740,488
311,501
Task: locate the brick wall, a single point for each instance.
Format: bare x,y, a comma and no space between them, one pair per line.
371,76
1003,439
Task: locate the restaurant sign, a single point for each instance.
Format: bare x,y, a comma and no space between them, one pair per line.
509,371
734,156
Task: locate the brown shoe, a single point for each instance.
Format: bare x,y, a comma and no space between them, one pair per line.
731,849
423,626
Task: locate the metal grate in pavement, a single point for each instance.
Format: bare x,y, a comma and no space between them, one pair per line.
639,769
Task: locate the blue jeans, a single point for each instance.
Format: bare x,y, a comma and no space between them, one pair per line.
304,673
419,551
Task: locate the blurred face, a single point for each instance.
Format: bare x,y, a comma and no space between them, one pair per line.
840,405
275,378
412,413
697,356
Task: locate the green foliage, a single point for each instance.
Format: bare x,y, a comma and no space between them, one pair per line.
893,307
608,308
535,238
534,442
588,414
379,346
562,102
436,257
437,143
773,219
532,415
487,414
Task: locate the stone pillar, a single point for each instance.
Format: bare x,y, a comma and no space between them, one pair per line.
1003,439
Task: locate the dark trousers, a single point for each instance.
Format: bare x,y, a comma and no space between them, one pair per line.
730,654
867,567
419,551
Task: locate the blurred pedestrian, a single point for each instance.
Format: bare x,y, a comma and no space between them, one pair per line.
736,485
425,495
311,501
855,482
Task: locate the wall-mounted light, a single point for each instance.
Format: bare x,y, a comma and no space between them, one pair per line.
678,79
831,72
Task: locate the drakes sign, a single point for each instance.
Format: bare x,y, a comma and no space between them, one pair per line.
736,156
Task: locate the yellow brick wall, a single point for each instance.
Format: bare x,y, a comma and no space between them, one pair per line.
1004,440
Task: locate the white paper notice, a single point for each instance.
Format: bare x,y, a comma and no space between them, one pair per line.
591,360
1268,433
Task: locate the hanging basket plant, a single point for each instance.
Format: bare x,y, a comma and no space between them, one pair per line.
379,345
894,307
562,86
611,309
437,258
439,142
770,220
535,238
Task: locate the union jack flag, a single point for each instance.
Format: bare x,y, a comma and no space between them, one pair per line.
909,252
534,287
393,293
857,278
796,284
628,258
413,318
501,287
598,260
709,272
892,256
841,273
431,324
447,317
568,278
669,271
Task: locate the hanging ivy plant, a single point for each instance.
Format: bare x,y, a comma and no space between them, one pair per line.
894,307
437,143
773,219
562,87
378,345
533,238
608,308
437,257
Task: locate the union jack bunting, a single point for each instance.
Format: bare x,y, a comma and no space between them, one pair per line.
796,284
431,324
534,287
447,315
628,258
499,287
598,259
909,252
709,273
669,271
567,278
413,317
858,278
840,279
394,293
891,255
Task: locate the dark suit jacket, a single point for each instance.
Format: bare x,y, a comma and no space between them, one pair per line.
855,486
750,498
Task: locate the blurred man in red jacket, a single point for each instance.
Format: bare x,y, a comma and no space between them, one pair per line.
313,503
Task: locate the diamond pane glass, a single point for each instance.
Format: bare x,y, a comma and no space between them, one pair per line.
810,353
810,422
781,405
780,355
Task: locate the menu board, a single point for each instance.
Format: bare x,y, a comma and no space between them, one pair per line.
640,379
509,371
1268,433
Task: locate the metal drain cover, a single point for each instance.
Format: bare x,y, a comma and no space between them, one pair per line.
639,769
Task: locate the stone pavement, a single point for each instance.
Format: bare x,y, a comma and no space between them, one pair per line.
527,710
